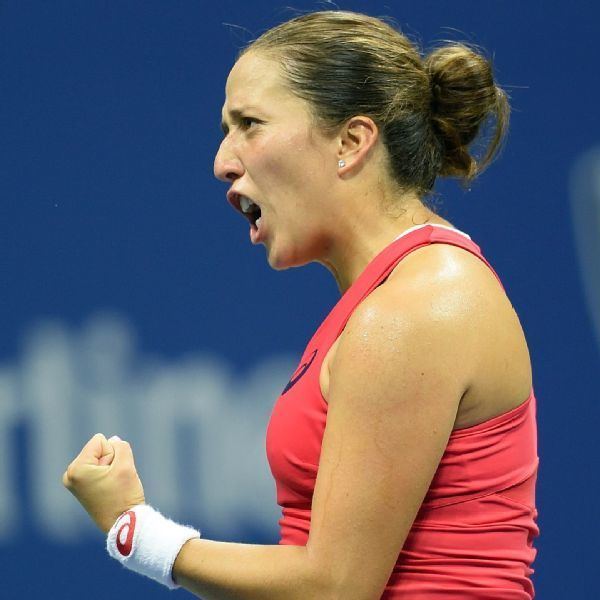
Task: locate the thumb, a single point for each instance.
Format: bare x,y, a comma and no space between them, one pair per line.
98,451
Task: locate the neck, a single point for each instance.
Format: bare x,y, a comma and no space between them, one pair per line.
363,236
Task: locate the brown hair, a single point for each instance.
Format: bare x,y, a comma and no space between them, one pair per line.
429,110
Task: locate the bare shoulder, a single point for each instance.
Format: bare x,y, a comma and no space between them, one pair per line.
449,307
456,285
444,263
430,293
436,299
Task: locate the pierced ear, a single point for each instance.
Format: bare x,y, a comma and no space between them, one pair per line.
357,137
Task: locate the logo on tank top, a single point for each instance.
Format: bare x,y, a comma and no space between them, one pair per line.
299,372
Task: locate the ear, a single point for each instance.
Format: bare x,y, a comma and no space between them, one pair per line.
356,140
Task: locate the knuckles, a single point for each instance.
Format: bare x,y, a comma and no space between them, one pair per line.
122,473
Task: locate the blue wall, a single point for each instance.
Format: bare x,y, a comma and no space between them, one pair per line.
129,286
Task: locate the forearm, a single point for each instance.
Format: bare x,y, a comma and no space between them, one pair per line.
229,571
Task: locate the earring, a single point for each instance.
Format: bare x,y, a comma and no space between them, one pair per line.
341,163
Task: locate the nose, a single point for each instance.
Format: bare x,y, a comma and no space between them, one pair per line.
227,166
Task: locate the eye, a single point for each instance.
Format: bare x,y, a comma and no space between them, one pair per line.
248,122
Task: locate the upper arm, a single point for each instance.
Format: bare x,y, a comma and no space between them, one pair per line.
395,386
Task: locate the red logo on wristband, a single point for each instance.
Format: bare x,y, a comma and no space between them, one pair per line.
125,533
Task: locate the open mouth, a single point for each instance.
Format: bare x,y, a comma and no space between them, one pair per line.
247,207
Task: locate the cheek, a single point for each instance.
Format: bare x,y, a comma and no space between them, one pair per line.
284,157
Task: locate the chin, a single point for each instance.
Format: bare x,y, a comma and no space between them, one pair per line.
282,260
278,263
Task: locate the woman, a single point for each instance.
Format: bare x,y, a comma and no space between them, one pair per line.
404,446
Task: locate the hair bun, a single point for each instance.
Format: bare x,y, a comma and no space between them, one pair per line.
463,97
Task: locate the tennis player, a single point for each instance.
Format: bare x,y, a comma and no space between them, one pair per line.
404,445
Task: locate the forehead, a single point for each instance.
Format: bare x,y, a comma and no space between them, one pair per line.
255,81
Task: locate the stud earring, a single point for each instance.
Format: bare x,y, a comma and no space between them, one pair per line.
341,163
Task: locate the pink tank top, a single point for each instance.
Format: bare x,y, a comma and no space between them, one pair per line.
473,536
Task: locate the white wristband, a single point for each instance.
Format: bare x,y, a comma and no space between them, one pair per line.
148,543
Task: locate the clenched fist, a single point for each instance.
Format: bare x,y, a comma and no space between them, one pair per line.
104,480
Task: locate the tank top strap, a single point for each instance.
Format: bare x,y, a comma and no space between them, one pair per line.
377,271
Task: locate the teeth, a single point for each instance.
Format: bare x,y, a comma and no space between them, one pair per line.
246,204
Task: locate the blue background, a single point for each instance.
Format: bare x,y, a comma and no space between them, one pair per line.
109,121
